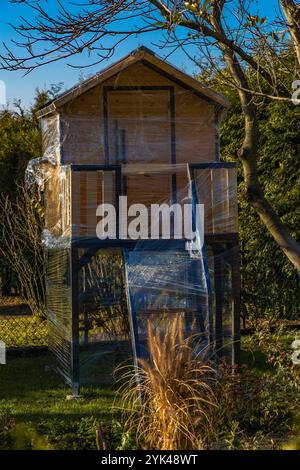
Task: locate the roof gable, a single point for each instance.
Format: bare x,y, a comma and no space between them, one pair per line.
149,59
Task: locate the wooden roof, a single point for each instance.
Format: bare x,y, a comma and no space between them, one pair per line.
150,59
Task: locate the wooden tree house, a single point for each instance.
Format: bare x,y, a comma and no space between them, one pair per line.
144,129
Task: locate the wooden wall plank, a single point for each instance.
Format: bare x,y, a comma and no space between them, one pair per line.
91,203
76,203
83,123
203,180
83,216
233,201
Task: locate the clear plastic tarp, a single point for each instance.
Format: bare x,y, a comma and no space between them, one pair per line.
126,164
123,283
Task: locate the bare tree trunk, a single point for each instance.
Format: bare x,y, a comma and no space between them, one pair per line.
248,154
271,220
292,14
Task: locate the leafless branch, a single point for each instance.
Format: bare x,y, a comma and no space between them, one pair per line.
21,245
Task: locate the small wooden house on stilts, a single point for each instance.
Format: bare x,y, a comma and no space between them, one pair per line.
143,129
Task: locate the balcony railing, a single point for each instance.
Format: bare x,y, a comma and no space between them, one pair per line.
82,188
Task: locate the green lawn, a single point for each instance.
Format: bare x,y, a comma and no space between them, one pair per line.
35,413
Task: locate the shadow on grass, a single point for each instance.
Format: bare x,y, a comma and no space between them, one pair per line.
256,360
35,373
33,396
28,383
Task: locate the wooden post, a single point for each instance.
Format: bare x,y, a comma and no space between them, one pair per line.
236,294
218,300
75,322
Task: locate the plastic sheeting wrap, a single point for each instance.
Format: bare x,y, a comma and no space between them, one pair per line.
59,308
139,116
139,143
165,284
123,283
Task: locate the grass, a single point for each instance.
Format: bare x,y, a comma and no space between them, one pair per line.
34,402
34,412
255,359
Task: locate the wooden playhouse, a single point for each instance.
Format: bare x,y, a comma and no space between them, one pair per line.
140,128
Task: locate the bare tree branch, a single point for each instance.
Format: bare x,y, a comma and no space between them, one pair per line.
226,33
21,244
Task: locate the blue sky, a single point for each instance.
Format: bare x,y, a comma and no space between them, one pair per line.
23,87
